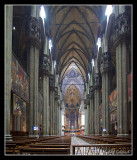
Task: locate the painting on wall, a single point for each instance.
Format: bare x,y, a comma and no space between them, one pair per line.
19,80
19,106
113,116
113,99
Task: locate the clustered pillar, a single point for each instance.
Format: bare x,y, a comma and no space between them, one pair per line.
105,68
52,89
91,118
34,45
7,75
85,107
96,99
45,78
88,112
122,36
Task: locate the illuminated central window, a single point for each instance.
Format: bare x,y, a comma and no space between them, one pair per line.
92,62
42,13
99,43
62,120
50,44
82,119
108,12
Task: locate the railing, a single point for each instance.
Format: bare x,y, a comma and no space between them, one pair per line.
102,149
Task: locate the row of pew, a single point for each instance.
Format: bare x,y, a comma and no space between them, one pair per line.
48,145
110,139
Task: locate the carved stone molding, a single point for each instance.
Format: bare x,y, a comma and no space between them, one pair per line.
96,80
85,102
33,32
85,107
45,67
52,82
56,93
91,91
58,97
88,96
105,62
121,28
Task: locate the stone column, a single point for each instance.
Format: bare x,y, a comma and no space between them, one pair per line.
122,36
34,45
60,124
91,91
52,89
85,108
45,114
55,110
58,109
96,99
7,65
88,113
105,69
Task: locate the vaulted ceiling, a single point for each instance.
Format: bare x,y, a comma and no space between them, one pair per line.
74,33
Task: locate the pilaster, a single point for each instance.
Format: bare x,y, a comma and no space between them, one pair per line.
105,65
91,92
45,71
96,99
52,89
122,36
7,65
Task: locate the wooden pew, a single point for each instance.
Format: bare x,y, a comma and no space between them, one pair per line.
10,148
31,150
49,145
105,139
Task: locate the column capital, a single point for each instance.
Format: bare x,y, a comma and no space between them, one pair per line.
45,66
33,32
121,28
52,82
85,107
85,101
91,92
56,93
96,80
105,62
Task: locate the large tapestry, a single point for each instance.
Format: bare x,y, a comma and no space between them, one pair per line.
113,100
19,106
113,116
19,80
129,86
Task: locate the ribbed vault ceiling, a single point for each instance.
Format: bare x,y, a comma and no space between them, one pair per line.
74,31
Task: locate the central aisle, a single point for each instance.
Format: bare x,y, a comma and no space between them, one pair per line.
77,141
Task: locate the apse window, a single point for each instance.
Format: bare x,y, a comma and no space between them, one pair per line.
99,43
62,120
82,119
92,62
50,44
108,12
42,13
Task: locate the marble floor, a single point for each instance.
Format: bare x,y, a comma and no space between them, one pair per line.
78,141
